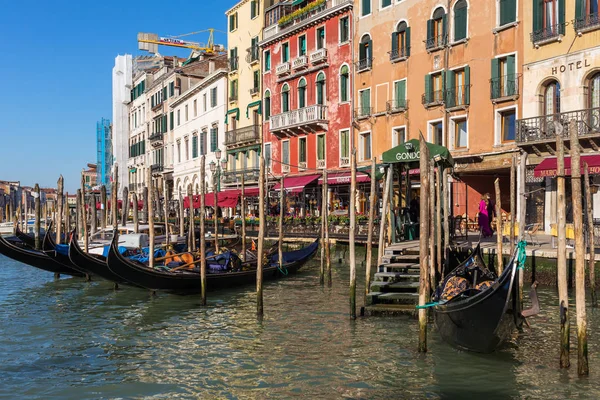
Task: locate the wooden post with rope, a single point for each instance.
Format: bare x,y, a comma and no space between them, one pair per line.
243,215
438,218
432,227
423,243
191,241
136,215
149,184
202,230
103,207
352,234
281,215
500,266
125,212
261,238
561,259
372,200
384,212
589,206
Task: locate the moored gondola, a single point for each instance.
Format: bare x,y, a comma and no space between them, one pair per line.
60,254
476,310
184,281
26,238
91,263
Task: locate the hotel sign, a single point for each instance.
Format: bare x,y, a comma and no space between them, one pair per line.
570,66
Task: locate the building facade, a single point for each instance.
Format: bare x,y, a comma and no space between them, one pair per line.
121,96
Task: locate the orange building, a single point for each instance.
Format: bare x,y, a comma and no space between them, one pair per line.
450,70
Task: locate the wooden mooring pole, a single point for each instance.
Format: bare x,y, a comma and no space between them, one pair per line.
352,235
323,218
216,213
149,184
59,212
281,215
261,238
582,345
78,222
561,259
145,203
103,207
38,216
384,212
500,266
438,218
84,231
125,214
136,215
166,200
327,243
243,215
93,214
423,243
513,210
372,200
446,205
114,207
203,230
181,215
432,227
191,241
589,208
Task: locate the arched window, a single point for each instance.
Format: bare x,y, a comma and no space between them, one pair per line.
460,20
302,93
267,105
551,103
594,92
365,53
344,83
400,42
436,29
285,98
321,88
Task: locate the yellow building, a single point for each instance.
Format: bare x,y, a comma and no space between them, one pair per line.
244,119
561,75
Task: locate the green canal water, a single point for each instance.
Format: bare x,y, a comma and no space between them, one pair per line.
71,339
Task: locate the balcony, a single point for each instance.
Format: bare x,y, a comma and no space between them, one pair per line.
233,64
457,97
548,34
242,136
285,168
157,106
320,164
283,68
433,98
318,56
587,23
435,43
363,112
344,161
156,139
233,97
543,129
252,54
157,168
253,91
398,55
364,65
300,62
396,106
302,165
235,177
303,120
504,88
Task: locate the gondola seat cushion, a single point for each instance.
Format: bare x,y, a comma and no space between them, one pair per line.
454,286
484,285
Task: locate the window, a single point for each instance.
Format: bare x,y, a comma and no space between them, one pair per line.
365,55
460,20
171,120
551,101
436,30
399,101
365,146
267,60
214,138
321,88
548,19
365,7
364,109
233,22
187,149
302,93
508,11
400,42
398,136
204,102
254,10
320,37
213,97
194,146
178,117
233,90
285,152
504,81
457,86
285,98
285,52
437,132
268,154
233,59
302,150
320,147
434,88
386,3
195,108
460,133
267,105
186,113
178,151
302,45
344,30
203,143
345,147
507,125
586,14
171,89
344,83
256,81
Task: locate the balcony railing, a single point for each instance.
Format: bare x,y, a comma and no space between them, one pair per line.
254,91
157,168
543,128
233,64
457,96
363,112
548,33
398,54
253,53
396,105
434,97
156,136
247,134
250,175
588,22
504,86
283,68
157,106
344,161
321,164
435,42
316,114
233,97
364,65
300,62
302,164
318,56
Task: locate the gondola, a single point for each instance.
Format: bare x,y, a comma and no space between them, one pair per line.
60,254
189,281
20,252
484,309
91,263
29,240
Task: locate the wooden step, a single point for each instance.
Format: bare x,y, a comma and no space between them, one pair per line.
390,286
399,266
399,296
390,310
393,276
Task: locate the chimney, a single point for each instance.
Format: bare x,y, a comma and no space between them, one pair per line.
211,67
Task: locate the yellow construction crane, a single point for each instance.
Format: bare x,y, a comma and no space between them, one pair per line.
151,41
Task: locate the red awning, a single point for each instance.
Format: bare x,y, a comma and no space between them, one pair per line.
548,167
296,184
228,198
342,178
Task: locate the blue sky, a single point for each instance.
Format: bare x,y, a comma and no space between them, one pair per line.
57,58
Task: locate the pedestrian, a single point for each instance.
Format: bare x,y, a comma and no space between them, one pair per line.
483,217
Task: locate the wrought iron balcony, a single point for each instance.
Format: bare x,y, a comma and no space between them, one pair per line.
457,96
504,87
156,137
253,54
242,136
548,34
250,176
399,54
302,120
300,62
156,168
396,105
543,128
318,56
283,68
364,65
233,97
587,23
254,91
363,112
436,42
433,98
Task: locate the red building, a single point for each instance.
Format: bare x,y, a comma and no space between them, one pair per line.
307,61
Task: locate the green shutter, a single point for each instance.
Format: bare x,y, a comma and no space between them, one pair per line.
362,52
495,85
143,147
429,31
285,102
538,15
301,97
467,85
172,120
428,83
213,139
580,9
444,28
252,10
366,7
369,51
450,89
512,88
460,23
508,11
401,93
231,21
395,44
561,16
344,87
407,44
267,108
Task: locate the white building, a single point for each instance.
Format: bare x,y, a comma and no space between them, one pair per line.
199,129
121,96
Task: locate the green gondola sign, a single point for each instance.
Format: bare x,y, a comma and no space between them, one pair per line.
410,152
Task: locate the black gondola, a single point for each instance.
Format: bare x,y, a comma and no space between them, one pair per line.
484,312
189,281
20,252
60,254
26,238
91,263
